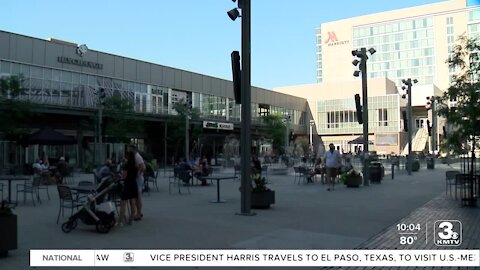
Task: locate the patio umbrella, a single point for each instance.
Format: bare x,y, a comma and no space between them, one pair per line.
47,136
359,140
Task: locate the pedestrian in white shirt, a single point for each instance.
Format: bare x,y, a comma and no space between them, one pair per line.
332,163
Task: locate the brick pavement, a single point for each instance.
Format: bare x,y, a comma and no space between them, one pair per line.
439,208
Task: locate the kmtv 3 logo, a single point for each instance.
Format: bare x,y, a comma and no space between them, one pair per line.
332,37
447,233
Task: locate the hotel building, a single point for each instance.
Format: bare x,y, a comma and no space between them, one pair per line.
410,43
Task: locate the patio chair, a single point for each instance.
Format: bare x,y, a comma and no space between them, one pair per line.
450,180
302,174
153,180
30,187
67,200
296,174
1,191
180,178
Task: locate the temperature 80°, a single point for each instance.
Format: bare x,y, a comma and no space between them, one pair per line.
407,240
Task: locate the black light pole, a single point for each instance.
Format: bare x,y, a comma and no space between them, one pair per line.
362,55
431,103
245,133
408,87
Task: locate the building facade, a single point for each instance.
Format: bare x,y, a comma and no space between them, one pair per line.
65,79
410,43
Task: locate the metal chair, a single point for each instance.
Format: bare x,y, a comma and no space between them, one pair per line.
296,174
302,174
29,187
67,200
181,177
450,181
1,191
153,180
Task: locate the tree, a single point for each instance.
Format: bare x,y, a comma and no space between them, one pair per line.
463,117
15,111
275,127
176,127
116,121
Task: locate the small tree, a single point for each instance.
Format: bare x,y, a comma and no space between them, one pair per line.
116,121
275,127
15,111
463,117
176,126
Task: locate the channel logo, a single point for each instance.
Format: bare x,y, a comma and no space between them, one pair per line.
128,257
447,233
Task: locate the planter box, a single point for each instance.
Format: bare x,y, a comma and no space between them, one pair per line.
353,181
8,234
262,200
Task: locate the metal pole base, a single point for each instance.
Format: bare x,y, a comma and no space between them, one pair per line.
246,214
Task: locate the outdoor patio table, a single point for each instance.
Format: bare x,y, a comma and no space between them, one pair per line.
218,178
83,189
11,178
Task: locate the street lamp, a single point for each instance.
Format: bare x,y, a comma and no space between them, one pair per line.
407,86
245,135
361,62
431,105
287,120
312,123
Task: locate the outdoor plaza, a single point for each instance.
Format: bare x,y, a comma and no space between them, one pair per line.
305,216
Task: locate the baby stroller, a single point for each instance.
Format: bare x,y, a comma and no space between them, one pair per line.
98,210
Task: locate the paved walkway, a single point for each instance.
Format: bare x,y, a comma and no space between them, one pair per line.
305,216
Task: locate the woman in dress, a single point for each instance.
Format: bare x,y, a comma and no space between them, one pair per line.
129,190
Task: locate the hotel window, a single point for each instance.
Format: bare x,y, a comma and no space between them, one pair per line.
382,117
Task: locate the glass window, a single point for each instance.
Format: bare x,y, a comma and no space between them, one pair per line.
5,67
66,76
25,70
47,74
56,75
36,72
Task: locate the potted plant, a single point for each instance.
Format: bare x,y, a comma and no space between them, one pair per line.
261,197
351,178
8,229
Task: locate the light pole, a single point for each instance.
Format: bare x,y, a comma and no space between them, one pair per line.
287,129
101,103
408,87
245,135
312,122
431,105
362,55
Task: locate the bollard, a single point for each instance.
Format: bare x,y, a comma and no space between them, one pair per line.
393,171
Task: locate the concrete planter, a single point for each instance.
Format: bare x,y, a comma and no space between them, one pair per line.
263,200
8,234
353,181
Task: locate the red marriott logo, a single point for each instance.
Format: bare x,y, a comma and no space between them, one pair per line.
332,40
332,37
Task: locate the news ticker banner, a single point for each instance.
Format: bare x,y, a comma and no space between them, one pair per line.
251,258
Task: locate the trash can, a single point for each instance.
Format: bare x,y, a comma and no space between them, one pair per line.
416,165
376,171
430,163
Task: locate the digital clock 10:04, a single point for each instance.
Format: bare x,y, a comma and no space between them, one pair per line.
408,227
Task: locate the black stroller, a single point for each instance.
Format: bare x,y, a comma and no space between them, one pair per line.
98,210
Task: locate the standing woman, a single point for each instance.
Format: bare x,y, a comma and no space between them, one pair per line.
130,190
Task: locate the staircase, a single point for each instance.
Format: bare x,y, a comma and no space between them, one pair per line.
419,141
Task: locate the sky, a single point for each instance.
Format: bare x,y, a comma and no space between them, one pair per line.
193,35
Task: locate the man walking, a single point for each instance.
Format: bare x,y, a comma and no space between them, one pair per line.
332,163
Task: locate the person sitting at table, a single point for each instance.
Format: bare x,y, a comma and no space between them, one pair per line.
38,166
309,172
104,171
61,171
202,171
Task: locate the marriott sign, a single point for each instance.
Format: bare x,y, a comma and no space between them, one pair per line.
332,40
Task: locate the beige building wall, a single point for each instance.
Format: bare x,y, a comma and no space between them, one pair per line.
337,90
336,55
